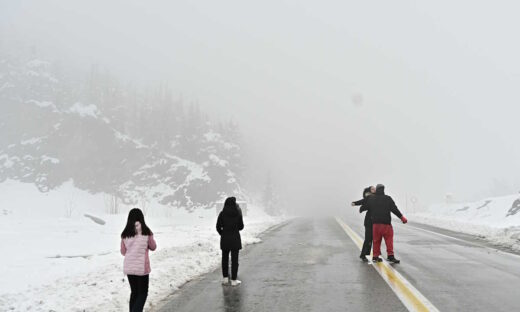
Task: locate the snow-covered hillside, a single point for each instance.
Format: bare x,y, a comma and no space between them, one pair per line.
56,259
496,219
75,155
138,146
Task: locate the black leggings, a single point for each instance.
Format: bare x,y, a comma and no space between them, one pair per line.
139,288
234,263
367,244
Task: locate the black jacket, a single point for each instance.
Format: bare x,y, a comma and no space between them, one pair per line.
380,206
229,225
362,203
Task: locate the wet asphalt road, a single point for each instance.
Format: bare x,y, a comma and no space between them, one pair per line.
461,274
306,265
312,265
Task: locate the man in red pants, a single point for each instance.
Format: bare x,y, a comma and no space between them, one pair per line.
380,207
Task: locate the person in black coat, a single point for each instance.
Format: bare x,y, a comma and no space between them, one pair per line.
380,206
229,224
367,244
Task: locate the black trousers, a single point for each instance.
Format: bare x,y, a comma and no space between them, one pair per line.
367,244
139,292
234,263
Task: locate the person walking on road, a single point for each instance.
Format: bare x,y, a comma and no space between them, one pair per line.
380,206
367,244
229,224
136,240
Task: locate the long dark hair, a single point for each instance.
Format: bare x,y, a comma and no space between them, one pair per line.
231,207
133,216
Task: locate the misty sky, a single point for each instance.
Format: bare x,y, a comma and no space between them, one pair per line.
331,95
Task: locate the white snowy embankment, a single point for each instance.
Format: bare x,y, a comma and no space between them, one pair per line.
497,219
55,259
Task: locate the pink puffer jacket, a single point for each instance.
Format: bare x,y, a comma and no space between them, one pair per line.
135,249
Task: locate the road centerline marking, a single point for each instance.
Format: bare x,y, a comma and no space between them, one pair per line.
412,299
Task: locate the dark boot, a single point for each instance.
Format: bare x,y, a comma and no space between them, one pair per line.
374,259
363,258
392,259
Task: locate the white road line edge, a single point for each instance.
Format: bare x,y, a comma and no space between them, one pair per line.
464,241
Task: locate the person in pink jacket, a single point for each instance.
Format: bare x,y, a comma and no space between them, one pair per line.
136,241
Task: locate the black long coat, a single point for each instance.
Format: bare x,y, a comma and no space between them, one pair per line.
229,225
362,203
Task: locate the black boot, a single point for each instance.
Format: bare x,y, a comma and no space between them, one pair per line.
374,259
392,259
363,258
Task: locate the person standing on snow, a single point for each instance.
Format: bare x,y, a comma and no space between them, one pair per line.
380,206
367,244
136,240
229,224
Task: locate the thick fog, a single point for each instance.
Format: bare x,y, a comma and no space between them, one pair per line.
331,96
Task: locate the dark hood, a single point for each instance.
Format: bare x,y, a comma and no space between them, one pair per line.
380,189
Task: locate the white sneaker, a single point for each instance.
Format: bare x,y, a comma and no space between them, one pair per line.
235,282
225,281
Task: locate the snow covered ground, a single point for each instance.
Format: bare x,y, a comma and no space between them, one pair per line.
56,259
496,219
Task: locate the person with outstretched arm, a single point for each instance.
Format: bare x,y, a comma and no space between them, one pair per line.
229,224
367,244
380,207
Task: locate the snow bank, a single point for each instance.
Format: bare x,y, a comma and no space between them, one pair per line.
496,219
56,259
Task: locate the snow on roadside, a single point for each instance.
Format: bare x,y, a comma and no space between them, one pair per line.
58,260
85,110
496,219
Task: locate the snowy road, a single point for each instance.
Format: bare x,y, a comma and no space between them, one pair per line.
312,265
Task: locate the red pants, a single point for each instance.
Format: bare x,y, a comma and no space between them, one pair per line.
381,231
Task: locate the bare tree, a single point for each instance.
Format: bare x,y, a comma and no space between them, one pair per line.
143,201
70,207
112,204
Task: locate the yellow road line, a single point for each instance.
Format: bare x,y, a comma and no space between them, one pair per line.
412,299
